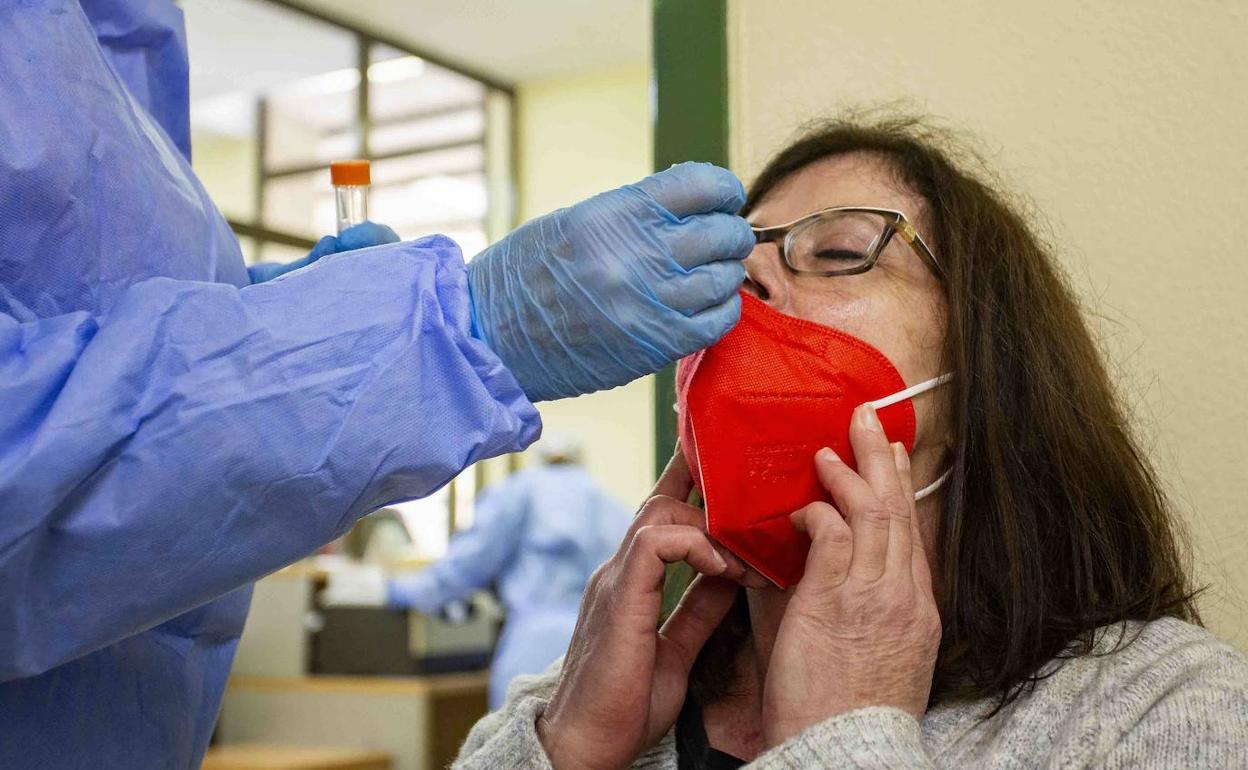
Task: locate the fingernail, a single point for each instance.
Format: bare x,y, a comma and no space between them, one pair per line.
719,559
827,455
868,419
900,457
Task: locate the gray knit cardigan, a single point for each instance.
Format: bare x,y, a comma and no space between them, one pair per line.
1173,697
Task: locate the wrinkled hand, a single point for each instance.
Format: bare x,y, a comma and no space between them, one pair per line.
862,628
623,683
359,236
616,287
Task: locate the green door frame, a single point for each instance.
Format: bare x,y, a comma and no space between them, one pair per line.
690,123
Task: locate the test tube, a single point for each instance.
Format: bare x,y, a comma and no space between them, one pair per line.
351,179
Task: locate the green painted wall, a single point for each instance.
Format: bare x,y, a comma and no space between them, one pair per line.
690,123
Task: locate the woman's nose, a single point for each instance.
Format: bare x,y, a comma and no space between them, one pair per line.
766,276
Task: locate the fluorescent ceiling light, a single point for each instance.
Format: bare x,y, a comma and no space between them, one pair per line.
392,70
341,81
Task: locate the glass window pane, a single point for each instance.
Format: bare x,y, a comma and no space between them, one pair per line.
417,203
302,204
460,160
460,126
313,121
304,71
498,179
402,86
416,105
296,82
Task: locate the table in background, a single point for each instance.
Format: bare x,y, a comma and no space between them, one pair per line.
258,756
420,721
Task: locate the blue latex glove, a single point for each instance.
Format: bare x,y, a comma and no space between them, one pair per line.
359,236
616,287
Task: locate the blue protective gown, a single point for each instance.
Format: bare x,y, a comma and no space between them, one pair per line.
539,535
169,433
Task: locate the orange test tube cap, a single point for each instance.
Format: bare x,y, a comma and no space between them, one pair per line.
350,172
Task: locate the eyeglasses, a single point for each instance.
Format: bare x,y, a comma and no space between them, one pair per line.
843,241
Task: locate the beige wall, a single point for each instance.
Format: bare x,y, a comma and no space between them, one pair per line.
1125,122
579,136
227,167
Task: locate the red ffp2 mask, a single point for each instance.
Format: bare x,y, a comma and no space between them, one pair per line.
754,410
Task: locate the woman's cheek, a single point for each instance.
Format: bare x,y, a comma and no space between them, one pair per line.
840,308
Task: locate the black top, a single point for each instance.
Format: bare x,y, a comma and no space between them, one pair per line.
692,750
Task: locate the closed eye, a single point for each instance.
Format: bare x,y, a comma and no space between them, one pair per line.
841,255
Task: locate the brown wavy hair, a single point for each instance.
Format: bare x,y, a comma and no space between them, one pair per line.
1054,523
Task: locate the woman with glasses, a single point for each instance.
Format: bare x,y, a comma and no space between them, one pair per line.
1032,607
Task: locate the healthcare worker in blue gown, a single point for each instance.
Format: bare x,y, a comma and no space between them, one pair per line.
538,535
171,430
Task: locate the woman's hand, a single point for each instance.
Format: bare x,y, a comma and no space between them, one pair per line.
862,628
623,683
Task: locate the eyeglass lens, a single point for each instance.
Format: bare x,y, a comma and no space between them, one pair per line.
836,241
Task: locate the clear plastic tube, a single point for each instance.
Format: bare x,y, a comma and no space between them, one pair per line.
352,205
351,180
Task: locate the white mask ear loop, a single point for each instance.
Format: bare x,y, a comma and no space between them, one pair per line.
935,485
911,391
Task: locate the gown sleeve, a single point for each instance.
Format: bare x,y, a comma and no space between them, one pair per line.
199,435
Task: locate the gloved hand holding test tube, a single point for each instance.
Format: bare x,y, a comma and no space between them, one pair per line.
352,179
